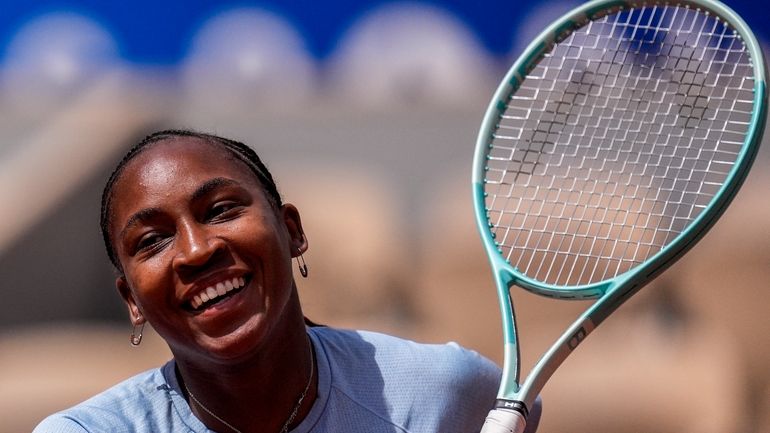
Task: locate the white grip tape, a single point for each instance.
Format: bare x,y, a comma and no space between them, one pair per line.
504,421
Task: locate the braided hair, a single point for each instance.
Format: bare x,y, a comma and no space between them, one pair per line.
239,150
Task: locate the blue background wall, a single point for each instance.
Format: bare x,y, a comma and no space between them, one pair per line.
159,32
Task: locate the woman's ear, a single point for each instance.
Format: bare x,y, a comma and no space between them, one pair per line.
293,224
137,318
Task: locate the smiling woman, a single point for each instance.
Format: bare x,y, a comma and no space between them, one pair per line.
203,245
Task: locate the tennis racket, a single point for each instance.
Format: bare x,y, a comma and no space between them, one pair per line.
612,145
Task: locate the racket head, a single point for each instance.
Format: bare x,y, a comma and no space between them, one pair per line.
520,192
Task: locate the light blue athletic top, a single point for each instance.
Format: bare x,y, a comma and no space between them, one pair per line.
367,383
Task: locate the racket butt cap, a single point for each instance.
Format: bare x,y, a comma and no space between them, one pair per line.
504,421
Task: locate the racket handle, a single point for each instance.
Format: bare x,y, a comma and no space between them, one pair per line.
504,421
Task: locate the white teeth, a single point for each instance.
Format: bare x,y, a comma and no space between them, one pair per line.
213,292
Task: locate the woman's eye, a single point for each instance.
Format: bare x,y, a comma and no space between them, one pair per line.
149,240
221,211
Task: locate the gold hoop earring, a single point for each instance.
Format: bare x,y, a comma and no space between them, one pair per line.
301,265
136,337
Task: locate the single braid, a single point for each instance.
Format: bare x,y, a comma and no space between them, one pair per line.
239,150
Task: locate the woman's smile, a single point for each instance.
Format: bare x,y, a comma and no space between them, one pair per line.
211,310
215,294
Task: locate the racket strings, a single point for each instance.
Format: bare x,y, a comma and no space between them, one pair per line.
616,141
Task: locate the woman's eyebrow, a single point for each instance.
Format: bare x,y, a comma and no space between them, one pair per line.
142,215
211,185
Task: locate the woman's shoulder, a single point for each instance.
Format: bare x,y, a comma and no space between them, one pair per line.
132,400
453,387
384,346
409,362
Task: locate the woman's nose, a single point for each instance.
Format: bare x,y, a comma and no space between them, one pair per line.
196,246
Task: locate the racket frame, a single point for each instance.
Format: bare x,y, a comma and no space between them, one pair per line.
613,292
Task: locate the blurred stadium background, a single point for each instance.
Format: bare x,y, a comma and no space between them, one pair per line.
367,113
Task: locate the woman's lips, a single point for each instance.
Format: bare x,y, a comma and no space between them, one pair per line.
216,293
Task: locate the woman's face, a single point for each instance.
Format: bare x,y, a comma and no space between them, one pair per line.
206,257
